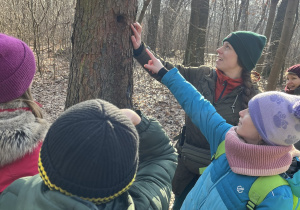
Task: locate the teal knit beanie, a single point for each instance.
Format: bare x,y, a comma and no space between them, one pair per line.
248,46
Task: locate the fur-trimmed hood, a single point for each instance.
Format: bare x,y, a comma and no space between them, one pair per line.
20,132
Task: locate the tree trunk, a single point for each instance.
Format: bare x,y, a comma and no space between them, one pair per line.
101,63
240,13
259,65
244,15
237,15
283,44
263,15
275,37
169,21
142,14
194,54
153,24
221,24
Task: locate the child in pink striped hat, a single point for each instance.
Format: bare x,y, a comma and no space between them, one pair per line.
261,145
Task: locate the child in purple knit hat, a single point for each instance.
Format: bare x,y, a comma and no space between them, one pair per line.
22,127
261,145
293,80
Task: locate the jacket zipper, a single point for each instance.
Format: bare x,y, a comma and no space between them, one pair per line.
212,187
225,85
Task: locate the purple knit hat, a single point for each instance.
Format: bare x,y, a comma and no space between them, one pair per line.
276,116
17,68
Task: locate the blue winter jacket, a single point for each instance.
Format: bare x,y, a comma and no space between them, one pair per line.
219,187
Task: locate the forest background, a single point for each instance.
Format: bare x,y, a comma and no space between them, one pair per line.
83,48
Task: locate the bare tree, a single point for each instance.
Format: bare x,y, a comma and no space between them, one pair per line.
142,14
169,19
194,54
101,64
283,44
153,24
259,65
244,15
221,22
275,37
263,15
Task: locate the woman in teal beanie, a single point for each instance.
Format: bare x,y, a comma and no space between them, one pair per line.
228,87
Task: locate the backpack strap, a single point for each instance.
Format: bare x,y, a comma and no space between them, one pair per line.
220,151
261,187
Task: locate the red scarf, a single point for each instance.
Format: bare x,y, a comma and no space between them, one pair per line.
231,84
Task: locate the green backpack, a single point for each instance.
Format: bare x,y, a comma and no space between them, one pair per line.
262,186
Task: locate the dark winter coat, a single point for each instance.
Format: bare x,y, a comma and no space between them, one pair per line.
150,190
203,78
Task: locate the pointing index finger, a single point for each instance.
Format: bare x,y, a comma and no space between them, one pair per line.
150,54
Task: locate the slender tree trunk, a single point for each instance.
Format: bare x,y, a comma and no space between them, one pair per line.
259,65
194,54
221,24
153,24
239,15
275,37
244,15
283,44
101,64
263,15
142,14
169,21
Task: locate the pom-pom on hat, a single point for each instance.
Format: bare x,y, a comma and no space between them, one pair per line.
248,46
276,116
90,151
17,68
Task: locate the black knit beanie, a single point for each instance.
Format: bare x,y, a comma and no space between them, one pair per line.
90,151
248,46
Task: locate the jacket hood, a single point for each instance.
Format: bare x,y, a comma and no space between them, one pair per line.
20,131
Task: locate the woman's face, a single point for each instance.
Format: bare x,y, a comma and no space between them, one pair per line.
246,128
227,60
292,81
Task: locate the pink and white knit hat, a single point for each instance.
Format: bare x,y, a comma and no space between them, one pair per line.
276,116
17,68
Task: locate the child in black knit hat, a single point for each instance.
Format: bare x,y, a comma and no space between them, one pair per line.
96,156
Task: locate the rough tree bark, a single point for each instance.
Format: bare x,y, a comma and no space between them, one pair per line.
101,63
